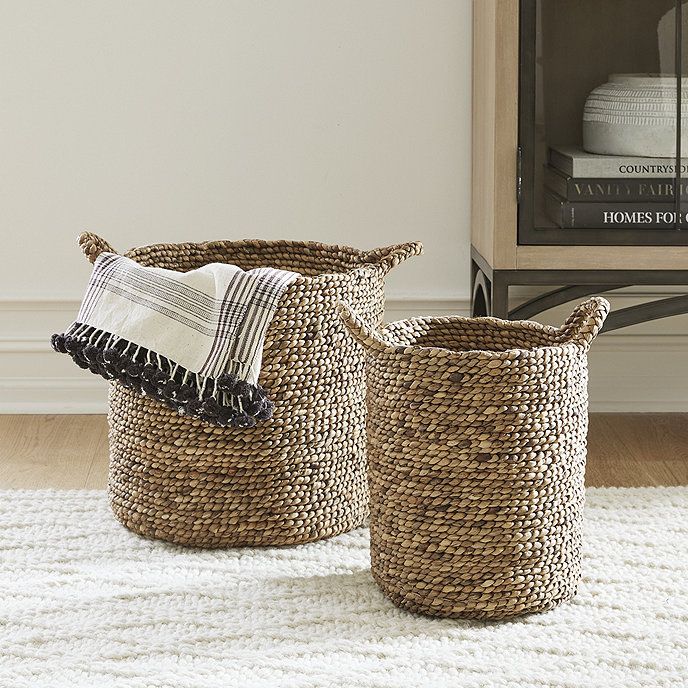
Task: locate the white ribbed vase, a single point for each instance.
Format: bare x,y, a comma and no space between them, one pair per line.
635,114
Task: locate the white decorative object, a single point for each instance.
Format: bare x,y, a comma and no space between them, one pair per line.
85,603
635,114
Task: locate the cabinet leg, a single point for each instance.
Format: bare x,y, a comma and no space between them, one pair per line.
480,292
500,298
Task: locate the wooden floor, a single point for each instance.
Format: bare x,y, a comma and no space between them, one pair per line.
625,450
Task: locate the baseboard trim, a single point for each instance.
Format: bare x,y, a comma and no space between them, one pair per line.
54,395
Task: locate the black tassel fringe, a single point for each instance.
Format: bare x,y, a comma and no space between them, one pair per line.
225,401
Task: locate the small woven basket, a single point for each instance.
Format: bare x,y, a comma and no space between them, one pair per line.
297,477
476,451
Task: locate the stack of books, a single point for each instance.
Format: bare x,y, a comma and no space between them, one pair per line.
584,190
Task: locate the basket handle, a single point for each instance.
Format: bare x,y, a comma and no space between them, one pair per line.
367,337
389,257
584,324
92,245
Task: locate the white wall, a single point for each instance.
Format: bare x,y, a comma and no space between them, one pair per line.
166,120
345,121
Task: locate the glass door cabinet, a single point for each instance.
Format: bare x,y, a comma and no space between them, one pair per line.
601,141
580,155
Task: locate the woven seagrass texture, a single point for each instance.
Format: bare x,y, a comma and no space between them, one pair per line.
476,451
297,477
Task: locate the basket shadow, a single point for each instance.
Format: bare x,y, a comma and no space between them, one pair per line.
334,605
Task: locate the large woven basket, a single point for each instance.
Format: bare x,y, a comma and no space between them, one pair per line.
297,477
476,449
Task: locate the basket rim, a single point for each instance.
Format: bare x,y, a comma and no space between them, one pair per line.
506,354
371,260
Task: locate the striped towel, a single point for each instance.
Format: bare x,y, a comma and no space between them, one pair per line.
193,340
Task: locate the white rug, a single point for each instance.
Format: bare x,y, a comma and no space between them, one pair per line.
85,603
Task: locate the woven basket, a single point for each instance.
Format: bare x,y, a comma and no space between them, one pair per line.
297,477
476,450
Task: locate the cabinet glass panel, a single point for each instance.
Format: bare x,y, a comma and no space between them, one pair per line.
600,139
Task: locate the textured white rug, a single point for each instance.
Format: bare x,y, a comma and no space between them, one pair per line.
85,603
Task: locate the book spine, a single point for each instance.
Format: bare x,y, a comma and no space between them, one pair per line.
623,216
615,167
569,215
612,190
